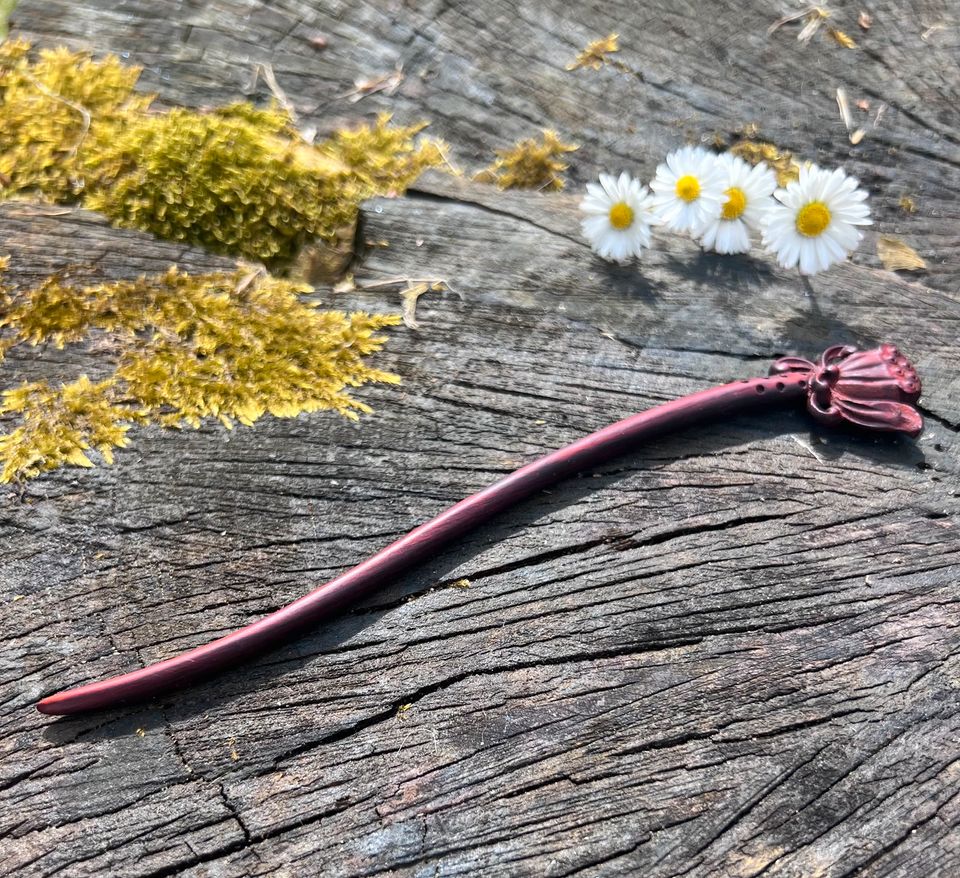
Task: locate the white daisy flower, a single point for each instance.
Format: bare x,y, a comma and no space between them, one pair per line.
814,221
747,198
688,189
619,216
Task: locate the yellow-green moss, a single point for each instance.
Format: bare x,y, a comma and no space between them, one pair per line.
530,164
51,111
230,345
753,149
596,53
239,180
58,425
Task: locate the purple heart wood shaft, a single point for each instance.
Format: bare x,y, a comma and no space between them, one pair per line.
876,389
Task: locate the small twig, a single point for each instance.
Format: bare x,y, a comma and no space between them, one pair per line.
880,111
37,210
807,447
266,70
812,26
409,281
388,84
932,30
409,298
847,117
248,279
793,16
811,295
271,80
818,13
79,108
844,106
414,288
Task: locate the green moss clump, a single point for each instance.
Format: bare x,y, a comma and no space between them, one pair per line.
596,54
232,183
530,164
384,159
751,148
239,180
228,345
51,111
59,425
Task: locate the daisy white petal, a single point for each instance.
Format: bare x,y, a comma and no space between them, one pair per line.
747,198
813,223
688,189
619,215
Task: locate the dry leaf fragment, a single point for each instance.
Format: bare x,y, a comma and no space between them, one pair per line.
864,19
40,210
388,84
907,204
863,104
530,164
844,106
755,151
810,13
897,255
842,38
409,298
925,36
347,285
857,136
271,80
595,54
436,283
816,17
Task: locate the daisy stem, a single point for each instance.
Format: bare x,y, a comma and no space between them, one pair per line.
425,542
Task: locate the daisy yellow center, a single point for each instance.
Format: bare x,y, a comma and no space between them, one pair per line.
621,215
688,188
735,204
812,219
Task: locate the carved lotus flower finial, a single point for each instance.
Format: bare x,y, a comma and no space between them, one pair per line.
877,389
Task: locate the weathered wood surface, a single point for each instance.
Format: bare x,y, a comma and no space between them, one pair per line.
735,652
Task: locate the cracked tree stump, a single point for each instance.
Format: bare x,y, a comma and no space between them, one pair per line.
734,652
